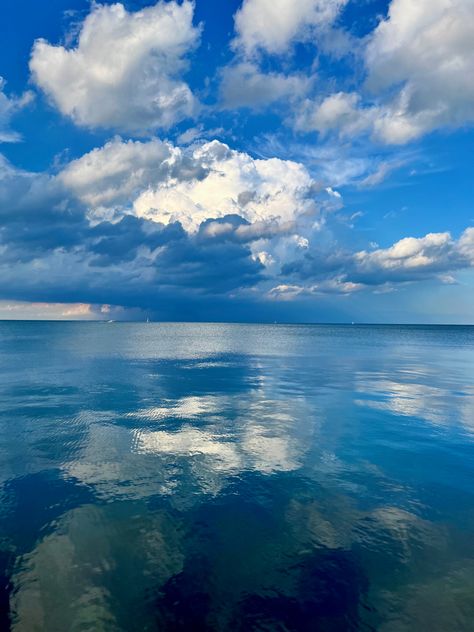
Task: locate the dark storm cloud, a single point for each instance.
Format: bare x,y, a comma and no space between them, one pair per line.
120,241
49,251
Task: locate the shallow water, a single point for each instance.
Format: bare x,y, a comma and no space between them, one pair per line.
236,477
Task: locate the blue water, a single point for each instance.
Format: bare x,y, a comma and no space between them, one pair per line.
236,477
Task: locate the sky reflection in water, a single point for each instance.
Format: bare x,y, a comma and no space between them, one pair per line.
236,477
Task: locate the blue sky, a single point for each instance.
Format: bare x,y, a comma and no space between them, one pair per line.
252,160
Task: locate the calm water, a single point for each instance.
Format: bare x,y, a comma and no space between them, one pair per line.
229,477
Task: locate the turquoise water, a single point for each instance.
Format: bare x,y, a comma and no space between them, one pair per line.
236,477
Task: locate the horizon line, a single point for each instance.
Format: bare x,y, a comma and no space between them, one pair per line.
232,322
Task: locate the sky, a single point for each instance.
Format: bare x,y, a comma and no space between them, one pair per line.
237,160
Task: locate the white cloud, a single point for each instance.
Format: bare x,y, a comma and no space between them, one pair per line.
433,254
334,164
8,107
244,85
346,115
285,292
125,71
380,173
6,110
199,132
420,75
340,112
165,183
432,257
280,203
273,25
336,285
427,48
236,183
112,174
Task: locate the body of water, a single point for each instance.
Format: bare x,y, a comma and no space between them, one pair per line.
236,477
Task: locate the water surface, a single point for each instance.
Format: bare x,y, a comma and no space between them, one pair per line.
236,477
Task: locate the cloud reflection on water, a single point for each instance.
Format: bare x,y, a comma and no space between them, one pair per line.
251,486
434,403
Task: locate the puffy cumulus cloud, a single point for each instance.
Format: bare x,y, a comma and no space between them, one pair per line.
235,184
420,72
51,252
124,72
340,112
434,256
143,223
345,115
264,26
273,25
118,172
245,85
427,48
412,258
167,184
8,107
